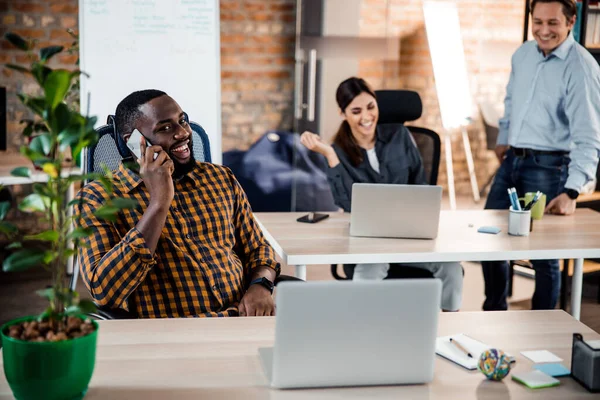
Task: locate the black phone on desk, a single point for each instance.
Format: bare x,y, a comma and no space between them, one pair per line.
312,218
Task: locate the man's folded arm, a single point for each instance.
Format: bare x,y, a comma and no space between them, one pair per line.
111,266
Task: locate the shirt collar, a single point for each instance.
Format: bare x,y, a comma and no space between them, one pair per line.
384,135
130,180
562,50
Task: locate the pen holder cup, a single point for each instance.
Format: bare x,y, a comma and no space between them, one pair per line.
519,222
585,364
537,211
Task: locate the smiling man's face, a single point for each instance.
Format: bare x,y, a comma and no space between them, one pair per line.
550,26
163,123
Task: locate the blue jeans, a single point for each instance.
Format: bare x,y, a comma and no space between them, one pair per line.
543,172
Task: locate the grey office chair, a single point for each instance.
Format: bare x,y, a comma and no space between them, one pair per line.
399,107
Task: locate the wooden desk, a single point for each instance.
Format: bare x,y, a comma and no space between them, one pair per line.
328,242
218,359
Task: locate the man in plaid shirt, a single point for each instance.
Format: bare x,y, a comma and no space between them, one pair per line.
192,247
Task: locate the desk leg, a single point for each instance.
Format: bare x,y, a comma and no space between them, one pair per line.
576,288
301,272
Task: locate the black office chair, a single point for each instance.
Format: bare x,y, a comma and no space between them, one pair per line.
399,107
110,150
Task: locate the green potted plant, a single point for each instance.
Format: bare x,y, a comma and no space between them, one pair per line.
51,355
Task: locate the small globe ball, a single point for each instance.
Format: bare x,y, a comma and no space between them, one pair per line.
494,364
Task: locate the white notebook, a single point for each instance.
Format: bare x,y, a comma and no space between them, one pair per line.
446,349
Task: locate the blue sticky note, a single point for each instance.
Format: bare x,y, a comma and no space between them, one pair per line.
489,229
554,369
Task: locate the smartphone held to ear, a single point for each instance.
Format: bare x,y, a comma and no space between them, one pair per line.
134,144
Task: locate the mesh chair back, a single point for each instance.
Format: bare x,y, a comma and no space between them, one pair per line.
401,106
104,152
428,143
200,143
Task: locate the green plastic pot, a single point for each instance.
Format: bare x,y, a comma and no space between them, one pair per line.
48,370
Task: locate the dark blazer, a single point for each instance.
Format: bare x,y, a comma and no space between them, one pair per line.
399,163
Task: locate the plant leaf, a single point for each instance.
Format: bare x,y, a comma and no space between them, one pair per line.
48,52
18,68
56,87
35,104
31,154
40,72
106,183
87,306
48,314
42,189
78,178
61,120
49,256
47,236
124,203
47,293
23,172
17,41
14,245
22,260
76,202
107,212
4,207
41,144
34,202
8,228
80,233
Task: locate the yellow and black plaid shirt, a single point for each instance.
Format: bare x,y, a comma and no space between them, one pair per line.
208,247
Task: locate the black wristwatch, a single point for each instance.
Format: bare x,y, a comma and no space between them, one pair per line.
264,282
572,193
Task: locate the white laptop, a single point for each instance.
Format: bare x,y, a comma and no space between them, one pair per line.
397,211
353,333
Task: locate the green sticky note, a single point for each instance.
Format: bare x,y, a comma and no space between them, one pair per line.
535,379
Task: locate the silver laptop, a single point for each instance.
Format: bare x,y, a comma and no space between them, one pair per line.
397,211
353,333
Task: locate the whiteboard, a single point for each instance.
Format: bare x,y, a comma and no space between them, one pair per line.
448,58
169,45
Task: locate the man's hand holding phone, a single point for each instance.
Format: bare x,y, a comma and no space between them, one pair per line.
156,169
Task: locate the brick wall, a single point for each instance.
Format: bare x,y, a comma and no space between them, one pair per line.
491,30
45,21
257,68
257,61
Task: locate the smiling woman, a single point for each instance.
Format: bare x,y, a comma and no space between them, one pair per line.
365,152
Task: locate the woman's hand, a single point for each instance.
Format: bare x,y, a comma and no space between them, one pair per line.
313,142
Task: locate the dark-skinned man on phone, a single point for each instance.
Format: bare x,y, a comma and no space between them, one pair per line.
192,247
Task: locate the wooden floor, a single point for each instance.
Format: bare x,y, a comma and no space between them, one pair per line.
18,298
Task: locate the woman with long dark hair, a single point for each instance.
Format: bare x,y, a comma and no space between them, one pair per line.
364,152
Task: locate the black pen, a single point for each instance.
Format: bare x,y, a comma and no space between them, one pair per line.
460,347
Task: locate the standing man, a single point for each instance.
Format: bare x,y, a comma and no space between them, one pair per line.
549,137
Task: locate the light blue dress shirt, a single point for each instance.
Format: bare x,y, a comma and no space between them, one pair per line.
553,103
